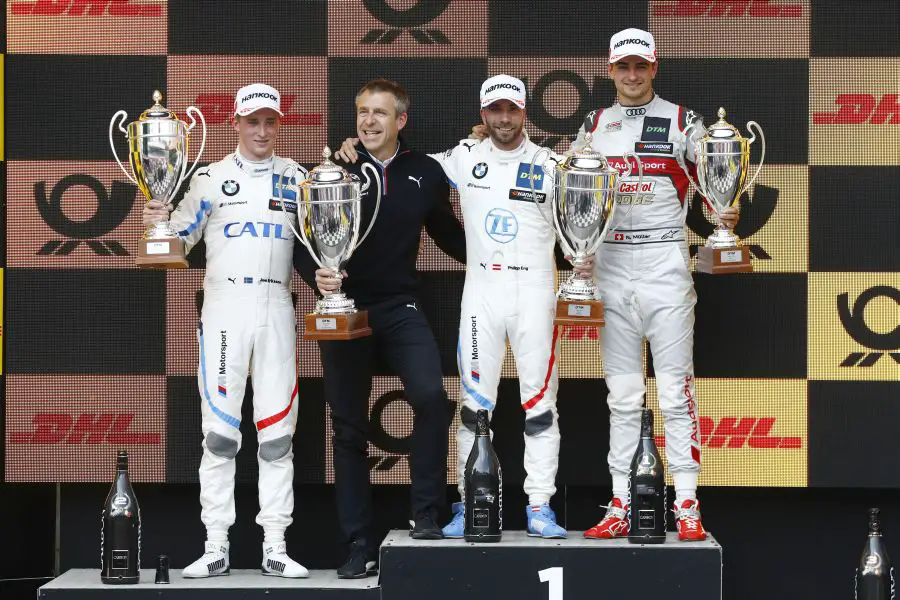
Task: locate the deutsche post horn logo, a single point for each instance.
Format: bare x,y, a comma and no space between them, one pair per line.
855,325
753,218
113,207
410,20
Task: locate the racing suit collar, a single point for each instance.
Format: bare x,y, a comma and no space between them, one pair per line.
633,112
253,168
506,156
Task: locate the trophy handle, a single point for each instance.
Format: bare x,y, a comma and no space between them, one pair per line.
121,116
369,180
762,155
185,173
543,153
284,175
640,184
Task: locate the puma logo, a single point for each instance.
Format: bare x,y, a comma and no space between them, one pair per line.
232,280
413,306
418,181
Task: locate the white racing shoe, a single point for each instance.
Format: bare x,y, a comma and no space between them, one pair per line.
213,562
277,563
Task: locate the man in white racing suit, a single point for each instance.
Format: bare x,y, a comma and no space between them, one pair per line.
643,277
247,325
509,292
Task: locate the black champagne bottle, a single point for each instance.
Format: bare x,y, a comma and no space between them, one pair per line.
120,541
875,575
647,515
484,487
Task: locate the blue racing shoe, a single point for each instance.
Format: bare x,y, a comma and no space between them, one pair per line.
454,529
542,522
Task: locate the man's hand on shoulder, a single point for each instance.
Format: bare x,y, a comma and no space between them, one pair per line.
347,151
479,132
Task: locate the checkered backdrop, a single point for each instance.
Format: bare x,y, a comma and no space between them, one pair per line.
797,363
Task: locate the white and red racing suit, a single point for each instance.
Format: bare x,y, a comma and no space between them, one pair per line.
247,326
642,275
508,294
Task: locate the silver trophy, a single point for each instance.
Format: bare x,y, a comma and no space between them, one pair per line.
582,209
329,212
723,160
157,153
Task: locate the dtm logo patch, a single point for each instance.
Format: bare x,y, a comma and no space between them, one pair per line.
231,187
479,170
288,188
656,129
501,225
654,147
525,175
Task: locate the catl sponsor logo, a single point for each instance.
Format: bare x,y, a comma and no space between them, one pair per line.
86,8
741,432
854,109
728,8
85,428
219,108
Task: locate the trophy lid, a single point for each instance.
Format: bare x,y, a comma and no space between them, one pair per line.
585,159
157,111
722,129
326,172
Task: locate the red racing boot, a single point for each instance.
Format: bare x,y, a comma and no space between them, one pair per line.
614,524
687,519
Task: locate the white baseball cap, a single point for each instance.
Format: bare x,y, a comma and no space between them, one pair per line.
632,42
255,96
503,87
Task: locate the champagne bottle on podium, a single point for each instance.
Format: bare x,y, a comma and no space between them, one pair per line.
875,575
484,487
647,513
120,541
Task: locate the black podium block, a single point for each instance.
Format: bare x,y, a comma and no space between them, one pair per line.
527,568
84,584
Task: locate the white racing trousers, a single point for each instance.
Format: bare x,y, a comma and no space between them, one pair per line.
253,333
494,309
647,291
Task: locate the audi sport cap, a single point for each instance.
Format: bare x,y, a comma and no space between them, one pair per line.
256,96
503,87
632,42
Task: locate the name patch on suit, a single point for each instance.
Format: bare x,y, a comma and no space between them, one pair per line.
527,196
654,147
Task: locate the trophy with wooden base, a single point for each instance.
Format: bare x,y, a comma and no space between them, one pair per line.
584,201
157,153
723,159
328,215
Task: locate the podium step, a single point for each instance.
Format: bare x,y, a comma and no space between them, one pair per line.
246,584
524,567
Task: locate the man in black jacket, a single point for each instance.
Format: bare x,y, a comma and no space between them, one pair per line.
381,277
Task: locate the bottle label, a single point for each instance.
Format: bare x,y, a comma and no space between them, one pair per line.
646,519
481,517
120,559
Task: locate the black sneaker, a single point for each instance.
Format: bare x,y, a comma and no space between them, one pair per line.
426,528
360,563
